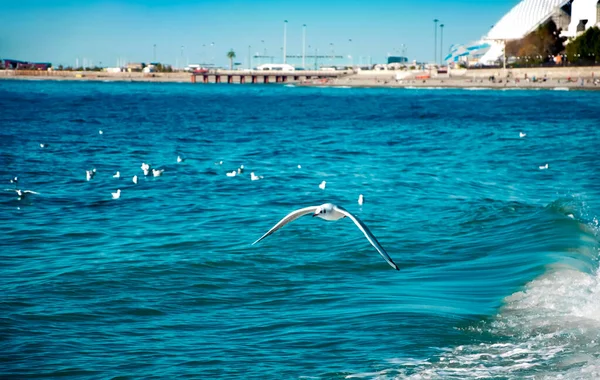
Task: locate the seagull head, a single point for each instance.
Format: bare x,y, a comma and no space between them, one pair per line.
323,210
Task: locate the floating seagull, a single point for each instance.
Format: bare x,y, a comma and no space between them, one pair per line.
361,199
157,172
14,180
544,167
240,169
322,185
43,145
299,166
219,163
179,159
145,166
21,193
521,134
254,177
134,179
117,194
329,211
117,175
89,174
100,132
231,174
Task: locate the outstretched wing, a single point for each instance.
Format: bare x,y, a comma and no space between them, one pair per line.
368,235
289,218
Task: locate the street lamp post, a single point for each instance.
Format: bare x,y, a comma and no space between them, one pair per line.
441,43
350,52
332,53
182,56
284,39
249,57
303,45
435,22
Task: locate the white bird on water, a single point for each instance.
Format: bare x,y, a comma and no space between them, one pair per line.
180,160
544,167
117,175
329,211
361,199
231,174
521,134
134,179
89,174
254,177
21,193
116,195
43,145
14,180
240,170
146,168
157,172
322,185
100,132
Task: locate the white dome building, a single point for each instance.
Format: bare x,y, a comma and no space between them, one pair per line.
573,16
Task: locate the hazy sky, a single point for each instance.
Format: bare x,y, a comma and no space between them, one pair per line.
60,31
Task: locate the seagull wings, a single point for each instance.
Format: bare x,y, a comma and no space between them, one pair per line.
289,218
361,226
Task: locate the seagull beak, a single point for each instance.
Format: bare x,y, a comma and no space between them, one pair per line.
315,214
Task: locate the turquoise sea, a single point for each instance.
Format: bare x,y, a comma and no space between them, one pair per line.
498,258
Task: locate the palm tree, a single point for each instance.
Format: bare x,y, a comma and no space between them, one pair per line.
231,56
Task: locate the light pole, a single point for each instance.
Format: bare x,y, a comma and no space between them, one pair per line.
249,57
303,45
435,22
441,43
332,53
182,55
350,49
284,39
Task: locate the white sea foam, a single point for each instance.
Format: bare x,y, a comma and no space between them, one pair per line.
548,330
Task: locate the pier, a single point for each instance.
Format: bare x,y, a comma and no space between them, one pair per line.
264,76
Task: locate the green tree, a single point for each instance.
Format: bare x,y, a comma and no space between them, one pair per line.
541,45
586,47
231,56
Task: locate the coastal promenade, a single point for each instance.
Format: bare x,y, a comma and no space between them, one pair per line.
496,78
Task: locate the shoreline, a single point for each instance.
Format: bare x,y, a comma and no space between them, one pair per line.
352,81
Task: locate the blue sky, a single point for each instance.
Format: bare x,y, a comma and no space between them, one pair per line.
60,31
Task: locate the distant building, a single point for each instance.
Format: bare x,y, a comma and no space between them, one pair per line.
573,16
135,67
467,54
396,59
13,64
584,15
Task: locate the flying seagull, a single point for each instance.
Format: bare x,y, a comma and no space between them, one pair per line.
329,211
